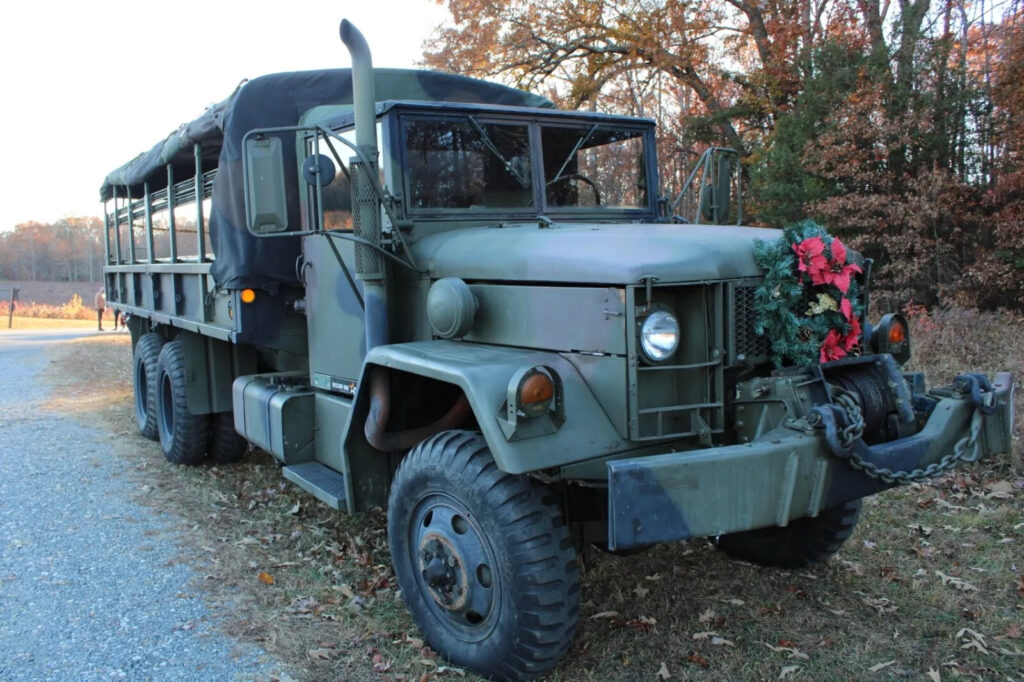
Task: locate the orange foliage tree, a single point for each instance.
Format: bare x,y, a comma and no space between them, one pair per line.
894,123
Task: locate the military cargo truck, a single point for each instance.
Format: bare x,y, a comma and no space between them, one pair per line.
447,297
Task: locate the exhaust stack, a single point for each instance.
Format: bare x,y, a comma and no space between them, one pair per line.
364,101
365,202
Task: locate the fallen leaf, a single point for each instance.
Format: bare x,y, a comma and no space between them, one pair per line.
605,614
721,641
934,675
641,592
451,669
1001,487
708,615
1013,631
663,673
788,670
879,666
972,639
704,635
266,578
380,665
697,659
321,654
294,510
789,649
957,583
734,602
345,590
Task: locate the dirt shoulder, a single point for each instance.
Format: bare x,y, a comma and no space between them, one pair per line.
930,586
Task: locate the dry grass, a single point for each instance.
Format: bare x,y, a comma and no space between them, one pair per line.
50,300
950,341
930,584
19,322
50,293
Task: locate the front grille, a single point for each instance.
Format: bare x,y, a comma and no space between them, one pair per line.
749,343
682,397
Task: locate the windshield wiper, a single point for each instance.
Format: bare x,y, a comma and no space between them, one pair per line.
523,180
582,141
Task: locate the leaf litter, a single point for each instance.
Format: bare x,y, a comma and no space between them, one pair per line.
244,513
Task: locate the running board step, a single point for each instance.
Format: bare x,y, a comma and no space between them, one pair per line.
326,484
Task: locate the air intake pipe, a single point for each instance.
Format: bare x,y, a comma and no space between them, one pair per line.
365,203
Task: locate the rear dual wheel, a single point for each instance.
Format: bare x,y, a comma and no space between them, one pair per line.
145,374
183,435
161,408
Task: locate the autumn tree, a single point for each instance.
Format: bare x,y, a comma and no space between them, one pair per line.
885,119
69,250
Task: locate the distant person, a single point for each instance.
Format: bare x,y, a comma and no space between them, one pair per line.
101,305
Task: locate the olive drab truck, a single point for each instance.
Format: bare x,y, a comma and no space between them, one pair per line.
448,298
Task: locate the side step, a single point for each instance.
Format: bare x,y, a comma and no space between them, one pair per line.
326,484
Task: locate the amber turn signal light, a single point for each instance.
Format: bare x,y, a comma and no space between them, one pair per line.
536,391
248,295
892,336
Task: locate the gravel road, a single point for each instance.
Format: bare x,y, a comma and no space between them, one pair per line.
91,587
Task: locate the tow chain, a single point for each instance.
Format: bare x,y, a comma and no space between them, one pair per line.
844,425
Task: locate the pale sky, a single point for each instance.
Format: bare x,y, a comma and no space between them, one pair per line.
87,86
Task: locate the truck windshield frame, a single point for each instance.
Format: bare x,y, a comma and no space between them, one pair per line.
524,166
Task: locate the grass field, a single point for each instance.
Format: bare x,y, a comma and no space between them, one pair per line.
48,301
19,322
930,586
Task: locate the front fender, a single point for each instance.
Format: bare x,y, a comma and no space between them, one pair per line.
483,373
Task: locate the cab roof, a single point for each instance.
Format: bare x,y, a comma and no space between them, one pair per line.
282,99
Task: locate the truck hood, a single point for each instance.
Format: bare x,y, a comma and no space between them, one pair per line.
593,253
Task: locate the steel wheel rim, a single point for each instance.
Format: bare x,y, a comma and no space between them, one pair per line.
454,566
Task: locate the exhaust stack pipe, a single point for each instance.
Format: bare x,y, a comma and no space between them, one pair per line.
364,101
365,203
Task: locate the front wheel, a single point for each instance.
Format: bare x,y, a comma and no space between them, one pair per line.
483,558
803,542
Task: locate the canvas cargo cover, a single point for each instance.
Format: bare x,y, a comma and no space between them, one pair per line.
242,260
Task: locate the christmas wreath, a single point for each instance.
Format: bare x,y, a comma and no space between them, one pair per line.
809,304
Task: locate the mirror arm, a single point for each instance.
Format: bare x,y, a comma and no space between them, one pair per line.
381,194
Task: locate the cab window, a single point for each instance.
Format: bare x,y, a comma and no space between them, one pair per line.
461,162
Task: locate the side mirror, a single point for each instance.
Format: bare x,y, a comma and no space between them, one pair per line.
723,192
266,205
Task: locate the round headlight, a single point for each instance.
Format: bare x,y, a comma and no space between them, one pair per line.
659,335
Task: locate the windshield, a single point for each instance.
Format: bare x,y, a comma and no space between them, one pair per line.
486,163
464,163
594,166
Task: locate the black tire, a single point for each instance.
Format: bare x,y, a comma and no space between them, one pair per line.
146,380
803,542
225,446
183,435
483,558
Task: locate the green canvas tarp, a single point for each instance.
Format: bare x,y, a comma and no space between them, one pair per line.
276,100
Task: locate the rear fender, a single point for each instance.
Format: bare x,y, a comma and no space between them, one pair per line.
577,429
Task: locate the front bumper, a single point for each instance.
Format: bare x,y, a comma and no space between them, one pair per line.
788,473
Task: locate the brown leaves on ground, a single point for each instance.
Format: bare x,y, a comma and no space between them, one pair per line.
333,611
